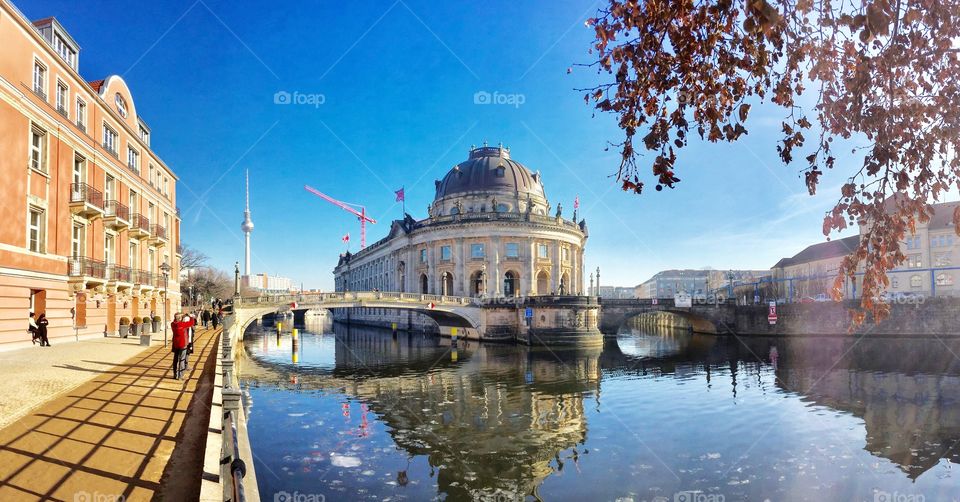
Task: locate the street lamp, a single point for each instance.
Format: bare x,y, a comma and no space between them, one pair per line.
165,269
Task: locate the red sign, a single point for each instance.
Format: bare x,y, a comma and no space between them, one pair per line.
431,305
293,305
772,313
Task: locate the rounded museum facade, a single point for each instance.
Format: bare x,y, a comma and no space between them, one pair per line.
490,231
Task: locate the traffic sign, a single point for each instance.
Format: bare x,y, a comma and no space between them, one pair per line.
772,313
654,302
529,313
431,305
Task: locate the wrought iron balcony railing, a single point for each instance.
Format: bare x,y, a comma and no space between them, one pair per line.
82,192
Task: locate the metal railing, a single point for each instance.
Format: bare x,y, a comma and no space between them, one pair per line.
119,273
359,296
115,208
158,231
79,266
144,278
140,221
82,192
232,466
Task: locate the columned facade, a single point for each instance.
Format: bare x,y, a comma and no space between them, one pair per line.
489,233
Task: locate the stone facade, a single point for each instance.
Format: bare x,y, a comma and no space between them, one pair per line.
489,233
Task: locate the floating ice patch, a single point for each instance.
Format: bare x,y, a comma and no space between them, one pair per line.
368,473
344,460
296,414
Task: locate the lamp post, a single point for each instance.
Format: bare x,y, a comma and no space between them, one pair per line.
165,269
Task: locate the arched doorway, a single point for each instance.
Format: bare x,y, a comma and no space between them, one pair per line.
446,284
543,283
564,288
424,284
476,283
511,284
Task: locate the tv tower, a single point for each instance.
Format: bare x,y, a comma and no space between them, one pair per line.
247,227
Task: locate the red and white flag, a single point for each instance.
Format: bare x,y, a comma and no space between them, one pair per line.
346,238
400,197
576,202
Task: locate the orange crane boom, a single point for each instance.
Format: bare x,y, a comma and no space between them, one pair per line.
361,214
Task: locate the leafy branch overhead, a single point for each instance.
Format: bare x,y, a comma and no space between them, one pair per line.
881,74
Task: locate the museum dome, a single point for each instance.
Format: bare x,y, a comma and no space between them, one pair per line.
490,170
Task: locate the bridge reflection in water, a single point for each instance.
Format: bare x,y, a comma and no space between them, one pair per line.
359,413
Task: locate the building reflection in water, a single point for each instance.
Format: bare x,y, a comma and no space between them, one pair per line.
497,419
504,420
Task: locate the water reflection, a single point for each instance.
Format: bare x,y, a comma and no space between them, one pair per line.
365,413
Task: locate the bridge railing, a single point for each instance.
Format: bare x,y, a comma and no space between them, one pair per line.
340,296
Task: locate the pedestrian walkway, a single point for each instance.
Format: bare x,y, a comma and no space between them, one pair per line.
114,434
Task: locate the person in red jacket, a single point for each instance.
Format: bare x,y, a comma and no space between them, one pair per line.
180,325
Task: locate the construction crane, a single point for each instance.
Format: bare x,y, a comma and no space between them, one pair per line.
361,214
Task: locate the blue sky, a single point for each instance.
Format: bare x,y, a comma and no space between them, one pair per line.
398,81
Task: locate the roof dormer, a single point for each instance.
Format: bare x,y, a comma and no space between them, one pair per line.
61,41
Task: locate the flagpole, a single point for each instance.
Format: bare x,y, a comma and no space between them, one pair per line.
403,190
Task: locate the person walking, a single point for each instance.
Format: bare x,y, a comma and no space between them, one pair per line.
42,323
189,348
32,328
215,319
180,325
205,316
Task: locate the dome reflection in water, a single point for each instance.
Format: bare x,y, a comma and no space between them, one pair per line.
355,413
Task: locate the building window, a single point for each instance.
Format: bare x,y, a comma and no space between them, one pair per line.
65,51
108,187
166,186
941,241
134,255
38,149
500,172
110,141
121,105
942,260
423,256
916,282
542,252
108,247
914,261
81,114
913,242
144,135
476,251
944,279
565,254
40,79
63,95
513,250
445,253
76,241
35,230
133,161
152,176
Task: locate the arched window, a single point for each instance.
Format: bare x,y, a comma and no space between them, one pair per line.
944,279
424,284
121,105
543,283
476,283
511,284
500,172
916,281
502,208
454,210
446,284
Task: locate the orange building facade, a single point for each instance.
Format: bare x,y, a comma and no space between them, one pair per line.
88,213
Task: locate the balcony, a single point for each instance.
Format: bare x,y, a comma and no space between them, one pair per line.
139,226
143,279
121,277
85,200
86,271
158,235
116,215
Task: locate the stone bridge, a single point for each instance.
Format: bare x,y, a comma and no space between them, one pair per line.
717,318
554,320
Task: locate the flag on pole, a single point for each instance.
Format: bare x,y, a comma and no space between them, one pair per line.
576,202
346,238
400,197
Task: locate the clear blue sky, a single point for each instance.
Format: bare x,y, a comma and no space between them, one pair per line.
398,81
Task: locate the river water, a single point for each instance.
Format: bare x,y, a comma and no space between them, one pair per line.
352,413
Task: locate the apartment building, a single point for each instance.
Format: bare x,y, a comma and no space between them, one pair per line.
90,230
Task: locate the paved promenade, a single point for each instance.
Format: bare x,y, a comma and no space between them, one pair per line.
107,428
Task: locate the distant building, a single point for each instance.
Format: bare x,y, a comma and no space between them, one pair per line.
265,283
617,292
928,269
667,283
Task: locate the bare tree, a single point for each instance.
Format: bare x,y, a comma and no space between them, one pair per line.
884,73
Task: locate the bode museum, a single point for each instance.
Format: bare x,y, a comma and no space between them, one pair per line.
490,232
